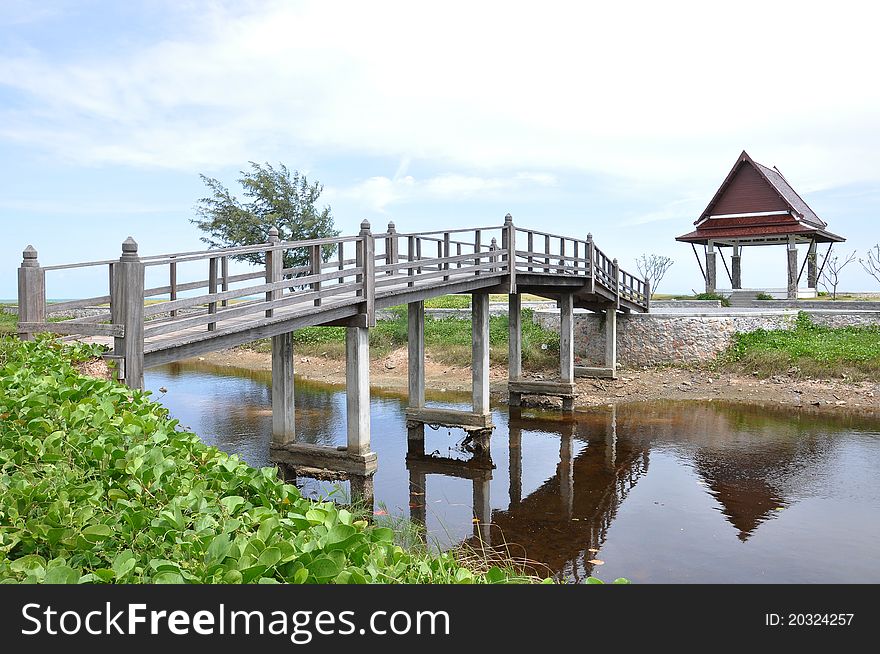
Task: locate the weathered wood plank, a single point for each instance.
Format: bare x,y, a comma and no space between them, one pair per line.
69,328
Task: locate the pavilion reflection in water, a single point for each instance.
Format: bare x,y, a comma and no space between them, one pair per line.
603,456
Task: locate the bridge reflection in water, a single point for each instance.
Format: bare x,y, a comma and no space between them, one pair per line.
564,522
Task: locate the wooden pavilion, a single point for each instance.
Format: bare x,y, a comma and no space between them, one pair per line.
755,205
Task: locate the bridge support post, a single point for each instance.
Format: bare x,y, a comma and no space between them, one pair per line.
611,340
514,341
792,269
566,346
416,354
357,395
283,420
127,308
480,352
31,291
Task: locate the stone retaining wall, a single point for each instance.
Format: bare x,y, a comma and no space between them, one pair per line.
652,339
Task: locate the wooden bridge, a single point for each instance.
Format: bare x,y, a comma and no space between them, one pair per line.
343,282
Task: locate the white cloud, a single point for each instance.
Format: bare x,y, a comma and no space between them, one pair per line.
655,92
377,193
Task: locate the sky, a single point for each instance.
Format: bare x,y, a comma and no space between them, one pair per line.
616,119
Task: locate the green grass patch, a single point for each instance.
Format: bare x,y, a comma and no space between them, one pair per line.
8,321
809,350
447,340
100,485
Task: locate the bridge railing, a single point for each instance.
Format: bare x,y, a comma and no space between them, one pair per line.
196,289
542,252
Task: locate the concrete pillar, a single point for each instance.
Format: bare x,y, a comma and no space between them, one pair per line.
566,338
515,466
480,352
566,474
791,251
362,493
736,268
482,510
514,349
416,353
357,388
127,308
812,269
611,339
283,421
710,268
31,290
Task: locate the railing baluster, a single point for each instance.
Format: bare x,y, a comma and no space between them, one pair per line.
212,289
458,254
547,252
419,255
576,256
410,256
224,271
446,255
315,260
478,250
531,244
439,255
172,282
340,250
562,257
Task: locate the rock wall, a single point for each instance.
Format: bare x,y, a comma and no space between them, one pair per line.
652,339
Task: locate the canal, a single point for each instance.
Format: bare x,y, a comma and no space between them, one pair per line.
655,492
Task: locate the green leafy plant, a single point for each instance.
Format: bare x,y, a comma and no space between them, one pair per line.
725,302
100,485
763,296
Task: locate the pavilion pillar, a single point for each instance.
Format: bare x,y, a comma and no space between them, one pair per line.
812,270
792,269
710,267
736,268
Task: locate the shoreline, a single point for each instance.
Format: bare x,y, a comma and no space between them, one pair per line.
632,385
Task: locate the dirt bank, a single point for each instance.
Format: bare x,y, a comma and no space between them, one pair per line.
631,385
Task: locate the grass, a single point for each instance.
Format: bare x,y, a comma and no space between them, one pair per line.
8,322
447,340
808,350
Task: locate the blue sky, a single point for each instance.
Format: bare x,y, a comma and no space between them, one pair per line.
574,117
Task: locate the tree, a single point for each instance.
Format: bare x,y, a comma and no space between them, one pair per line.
273,197
653,267
831,272
871,263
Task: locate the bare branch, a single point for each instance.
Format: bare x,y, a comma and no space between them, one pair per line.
653,267
831,272
871,263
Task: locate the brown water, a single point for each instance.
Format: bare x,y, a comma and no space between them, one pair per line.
660,492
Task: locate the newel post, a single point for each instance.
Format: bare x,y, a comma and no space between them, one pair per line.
392,253
31,291
590,265
127,307
508,242
647,294
274,266
368,261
